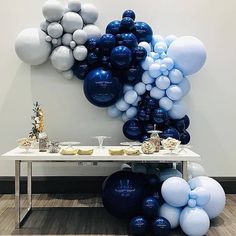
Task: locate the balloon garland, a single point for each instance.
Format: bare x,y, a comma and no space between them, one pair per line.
139,76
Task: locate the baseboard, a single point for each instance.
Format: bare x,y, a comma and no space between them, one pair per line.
81,184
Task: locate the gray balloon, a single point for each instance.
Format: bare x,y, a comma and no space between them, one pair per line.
68,74
48,38
92,31
89,13
80,37
62,58
55,30
44,25
80,53
66,39
72,44
74,5
72,21
31,46
53,10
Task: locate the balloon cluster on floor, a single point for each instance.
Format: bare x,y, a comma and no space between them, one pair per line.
156,203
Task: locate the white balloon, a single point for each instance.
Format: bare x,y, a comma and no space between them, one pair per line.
89,13
44,25
80,37
72,44
195,169
48,38
62,58
53,10
68,74
92,31
55,30
66,39
31,46
74,5
72,21
80,53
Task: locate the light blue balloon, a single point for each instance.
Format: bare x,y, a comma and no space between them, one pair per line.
155,56
156,39
135,104
157,93
168,173
194,221
122,105
174,92
169,39
176,76
192,203
127,87
147,62
188,53
160,47
147,46
140,88
201,195
168,62
124,117
178,110
154,70
163,68
146,78
131,112
149,87
165,103
162,82
163,55
113,112
172,214
175,191
165,73
185,86
130,96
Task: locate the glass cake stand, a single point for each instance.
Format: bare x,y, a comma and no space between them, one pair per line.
130,144
101,140
69,144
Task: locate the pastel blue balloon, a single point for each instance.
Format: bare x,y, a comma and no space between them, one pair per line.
175,191
176,76
165,73
148,87
168,62
130,96
174,92
124,117
168,173
122,105
157,93
172,214
146,78
113,112
145,45
127,87
155,56
154,70
192,203
188,53
160,47
194,221
156,39
169,39
163,55
201,195
165,103
163,68
131,112
178,110
162,82
147,62
135,104
185,86
140,88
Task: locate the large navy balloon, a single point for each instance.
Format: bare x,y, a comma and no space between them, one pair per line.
113,27
121,57
159,116
185,137
101,88
170,132
132,129
161,226
123,193
129,40
138,226
150,207
107,43
143,31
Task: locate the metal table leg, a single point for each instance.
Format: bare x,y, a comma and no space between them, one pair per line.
185,170
19,218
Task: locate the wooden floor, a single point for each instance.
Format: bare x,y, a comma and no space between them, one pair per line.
84,215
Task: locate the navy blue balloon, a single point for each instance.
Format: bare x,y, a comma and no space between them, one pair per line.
159,116
127,25
151,102
92,44
139,53
138,226
121,57
185,137
129,40
148,127
143,138
80,69
170,132
132,129
105,62
153,183
161,226
134,75
129,13
123,193
92,58
186,121
107,42
179,125
113,27
101,88
143,31
150,207
143,115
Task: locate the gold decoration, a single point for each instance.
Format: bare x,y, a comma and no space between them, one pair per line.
148,147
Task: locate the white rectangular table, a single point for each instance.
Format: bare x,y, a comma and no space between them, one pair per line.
99,155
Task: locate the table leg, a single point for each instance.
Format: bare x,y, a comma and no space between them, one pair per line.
17,194
29,183
185,170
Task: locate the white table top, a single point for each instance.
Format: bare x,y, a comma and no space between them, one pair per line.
101,155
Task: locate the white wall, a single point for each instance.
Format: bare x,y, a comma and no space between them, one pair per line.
70,117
